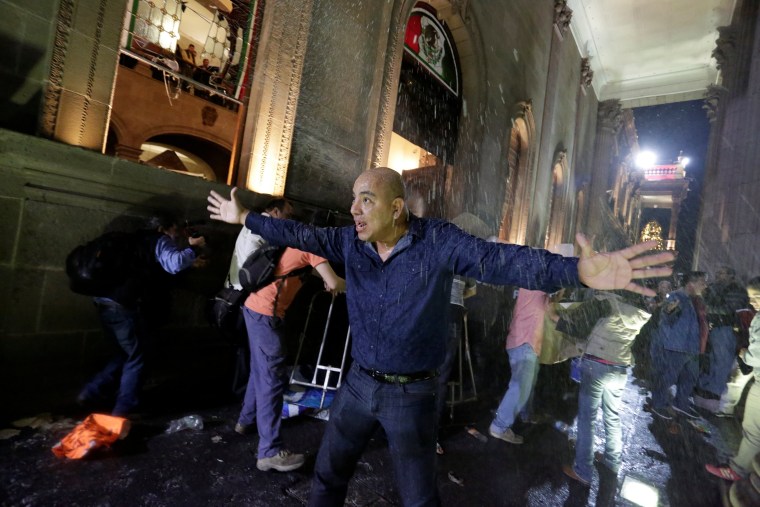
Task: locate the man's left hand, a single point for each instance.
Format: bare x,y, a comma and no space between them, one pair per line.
617,270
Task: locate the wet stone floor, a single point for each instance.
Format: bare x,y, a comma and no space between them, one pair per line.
216,466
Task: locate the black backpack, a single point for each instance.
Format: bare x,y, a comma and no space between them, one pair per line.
258,269
99,266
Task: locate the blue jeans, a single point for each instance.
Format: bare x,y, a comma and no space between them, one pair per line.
262,402
124,374
408,415
722,352
670,367
600,384
523,362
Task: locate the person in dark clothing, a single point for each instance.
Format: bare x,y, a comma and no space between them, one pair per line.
723,298
676,344
131,310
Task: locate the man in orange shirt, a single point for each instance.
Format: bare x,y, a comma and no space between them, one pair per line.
263,313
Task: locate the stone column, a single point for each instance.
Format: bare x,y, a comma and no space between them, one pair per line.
77,100
610,117
674,210
275,87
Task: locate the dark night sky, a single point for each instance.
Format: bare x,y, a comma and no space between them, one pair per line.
667,130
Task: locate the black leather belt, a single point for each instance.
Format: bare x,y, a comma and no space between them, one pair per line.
399,378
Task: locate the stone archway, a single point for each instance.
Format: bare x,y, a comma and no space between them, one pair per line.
555,233
516,205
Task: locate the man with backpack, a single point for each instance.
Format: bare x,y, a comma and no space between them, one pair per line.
263,311
130,308
247,242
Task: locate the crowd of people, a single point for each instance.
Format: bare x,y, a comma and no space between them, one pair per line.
407,277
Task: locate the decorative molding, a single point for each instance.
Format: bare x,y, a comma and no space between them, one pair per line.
610,116
91,73
713,96
725,47
52,101
562,17
587,75
388,94
209,115
523,109
560,158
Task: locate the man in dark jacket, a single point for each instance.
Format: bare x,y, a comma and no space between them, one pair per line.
128,312
676,345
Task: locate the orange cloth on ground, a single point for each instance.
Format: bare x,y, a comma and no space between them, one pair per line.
263,301
97,430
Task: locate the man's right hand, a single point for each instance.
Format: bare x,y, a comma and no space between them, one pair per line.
226,210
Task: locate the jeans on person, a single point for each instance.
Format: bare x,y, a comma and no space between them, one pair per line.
523,363
600,384
671,367
407,413
262,402
750,444
721,353
125,372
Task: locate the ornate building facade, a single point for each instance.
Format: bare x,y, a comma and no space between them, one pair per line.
526,147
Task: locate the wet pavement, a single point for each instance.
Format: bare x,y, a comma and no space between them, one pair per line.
216,466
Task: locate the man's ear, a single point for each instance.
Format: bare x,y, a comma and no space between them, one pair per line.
398,207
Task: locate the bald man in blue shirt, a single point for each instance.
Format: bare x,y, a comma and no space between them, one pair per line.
399,272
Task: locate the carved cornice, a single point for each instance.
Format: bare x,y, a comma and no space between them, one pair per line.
562,16
52,101
587,75
610,115
523,109
713,96
725,47
560,158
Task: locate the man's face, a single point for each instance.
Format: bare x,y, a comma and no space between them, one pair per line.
286,212
723,276
698,286
754,297
373,209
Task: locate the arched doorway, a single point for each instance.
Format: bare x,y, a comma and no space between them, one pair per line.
428,107
557,205
183,153
516,207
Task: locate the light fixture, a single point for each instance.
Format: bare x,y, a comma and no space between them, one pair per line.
685,161
645,159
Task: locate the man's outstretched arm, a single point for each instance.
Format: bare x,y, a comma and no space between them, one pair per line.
227,210
618,270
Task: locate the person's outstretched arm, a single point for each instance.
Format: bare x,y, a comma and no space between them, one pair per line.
619,269
333,283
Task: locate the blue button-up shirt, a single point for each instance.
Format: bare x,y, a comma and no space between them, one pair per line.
399,309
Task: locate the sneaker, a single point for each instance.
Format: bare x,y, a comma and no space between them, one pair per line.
439,449
662,413
244,429
570,472
688,412
507,435
283,461
725,473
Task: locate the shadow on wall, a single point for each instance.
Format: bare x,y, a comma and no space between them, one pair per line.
20,108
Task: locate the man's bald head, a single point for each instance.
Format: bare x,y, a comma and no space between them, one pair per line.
388,181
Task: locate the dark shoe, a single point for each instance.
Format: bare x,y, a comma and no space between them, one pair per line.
688,412
725,473
663,413
283,461
570,472
245,429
